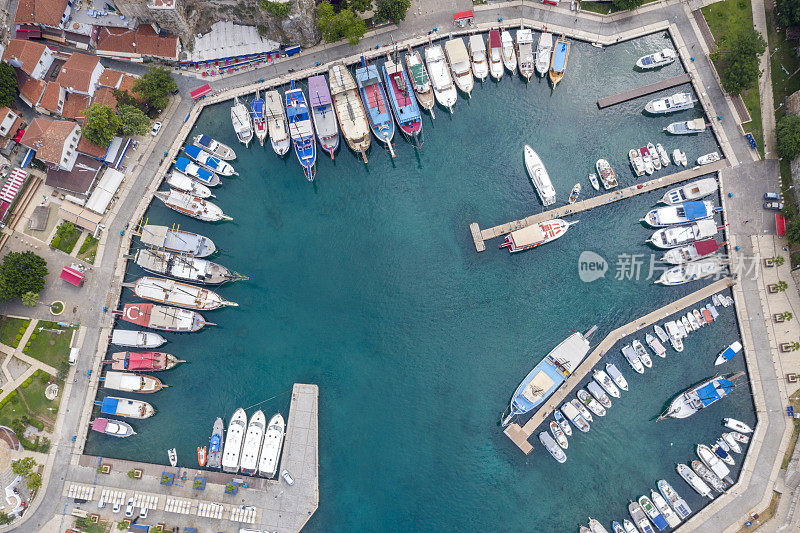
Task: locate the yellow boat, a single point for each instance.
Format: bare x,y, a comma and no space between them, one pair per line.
558,64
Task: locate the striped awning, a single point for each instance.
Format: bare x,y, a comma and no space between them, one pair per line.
13,185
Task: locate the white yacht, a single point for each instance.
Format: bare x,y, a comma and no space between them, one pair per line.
251,448
670,104
495,55
477,52
240,117
657,59
276,122
459,64
544,49
539,176
271,450
525,52
442,82
509,55
233,442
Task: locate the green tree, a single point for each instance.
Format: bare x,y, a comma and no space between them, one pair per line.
392,10
21,273
793,230
30,299
65,229
101,124
8,85
788,133
740,65
342,25
787,12
23,467
360,6
34,481
155,86
5,518
276,9
622,5
134,121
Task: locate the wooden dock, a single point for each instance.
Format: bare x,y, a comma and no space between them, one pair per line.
480,236
643,90
520,434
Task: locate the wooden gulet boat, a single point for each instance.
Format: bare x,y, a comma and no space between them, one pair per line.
180,181
130,382
163,318
349,109
375,103
420,80
276,122
111,405
142,361
168,291
175,239
301,130
184,268
559,62
191,206
322,114
404,105
443,88
458,58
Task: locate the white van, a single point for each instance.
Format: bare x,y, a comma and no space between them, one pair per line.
73,355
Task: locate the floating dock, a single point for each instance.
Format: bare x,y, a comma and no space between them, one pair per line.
520,434
480,236
643,90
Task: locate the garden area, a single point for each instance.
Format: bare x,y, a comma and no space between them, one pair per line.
12,329
48,345
66,237
27,405
88,249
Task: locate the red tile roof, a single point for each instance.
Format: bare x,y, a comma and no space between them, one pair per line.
29,88
105,96
25,52
47,137
85,146
47,12
75,105
110,78
50,96
143,41
127,84
77,72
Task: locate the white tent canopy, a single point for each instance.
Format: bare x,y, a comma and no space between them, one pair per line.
105,191
227,39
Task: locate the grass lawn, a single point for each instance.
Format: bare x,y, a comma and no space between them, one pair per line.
88,249
752,101
48,347
30,401
604,8
67,243
794,400
10,328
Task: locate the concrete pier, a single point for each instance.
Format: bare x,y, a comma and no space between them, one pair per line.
650,88
520,434
479,236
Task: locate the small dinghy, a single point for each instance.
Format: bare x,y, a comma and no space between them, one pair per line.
617,376
558,434
720,451
644,357
708,158
713,310
732,443
576,191
551,446
654,157
604,381
736,425
562,422
591,403
594,181
655,345
173,456
632,358
182,182
728,353
111,427
686,326
599,394
679,157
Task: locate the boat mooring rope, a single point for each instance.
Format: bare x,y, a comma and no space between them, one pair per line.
268,399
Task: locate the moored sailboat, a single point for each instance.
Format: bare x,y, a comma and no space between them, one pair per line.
276,123
196,172
301,131
208,161
176,240
111,405
176,266
322,113
420,80
168,291
404,105
136,339
458,58
375,103
698,397
349,109
130,382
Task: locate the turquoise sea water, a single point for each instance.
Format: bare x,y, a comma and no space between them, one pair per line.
367,283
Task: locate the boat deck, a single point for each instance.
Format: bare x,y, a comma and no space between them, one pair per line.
650,88
480,236
520,434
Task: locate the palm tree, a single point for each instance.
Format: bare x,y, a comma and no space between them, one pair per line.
30,299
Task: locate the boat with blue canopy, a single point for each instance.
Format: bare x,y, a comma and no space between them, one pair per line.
680,214
195,171
404,104
301,131
698,397
257,114
375,102
208,161
213,146
728,353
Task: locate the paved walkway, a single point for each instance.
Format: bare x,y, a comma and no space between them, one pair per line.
765,83
11,382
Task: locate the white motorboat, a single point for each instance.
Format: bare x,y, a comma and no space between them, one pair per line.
271,450
692,321
671,495
647,160
708,158
539,176
691,252
733,444
509,55
736,425
660,333
594,181
695,190
172,455
699,317
670,104
617,376
598,393
675,337
208,161
629,527
233,442
558,434
113,428
632,358
591,403
574,415
551,446
679,157
495,54
658,59
536,235
686,127
182,267
583,410
213,146
477,53
638,515
672,237
606,382
713,480
654,157
655,345
738,437
240,118
694,271
606,173
562,422
637,163
641,352
136,339
596,527
662,154
663,507
525,58
248,464
442,82
728,353
277,124
694,481
544,51
458,59
191,206
713,462
180,181
721,450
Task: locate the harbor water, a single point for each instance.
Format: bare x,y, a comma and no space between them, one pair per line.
367,283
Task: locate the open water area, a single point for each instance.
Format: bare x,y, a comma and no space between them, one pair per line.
367,283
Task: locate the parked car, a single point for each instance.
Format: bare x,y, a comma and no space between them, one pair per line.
774,205
772,196
143,513
117,508
129,509
156,129
287,477
101,503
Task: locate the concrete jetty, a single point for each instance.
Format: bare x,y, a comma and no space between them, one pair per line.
480,236
650,88
520,434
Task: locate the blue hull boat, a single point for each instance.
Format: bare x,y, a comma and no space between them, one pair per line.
301,131
376,104
404,104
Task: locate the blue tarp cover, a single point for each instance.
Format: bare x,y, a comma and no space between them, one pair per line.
109,406
694,210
